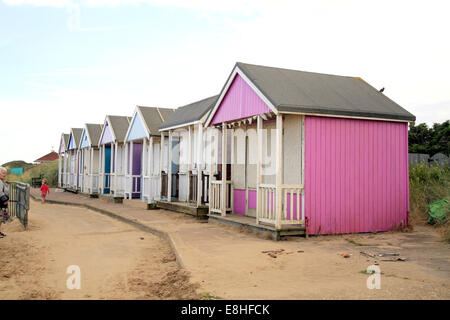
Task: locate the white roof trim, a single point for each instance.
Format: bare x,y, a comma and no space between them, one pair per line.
136,111
235,71
181,125
342,116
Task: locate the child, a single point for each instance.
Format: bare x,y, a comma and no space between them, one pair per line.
44,190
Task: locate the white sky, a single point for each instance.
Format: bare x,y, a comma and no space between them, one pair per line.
400,45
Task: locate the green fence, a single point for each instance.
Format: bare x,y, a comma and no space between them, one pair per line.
19,201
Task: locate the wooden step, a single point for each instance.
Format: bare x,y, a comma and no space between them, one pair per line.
198,212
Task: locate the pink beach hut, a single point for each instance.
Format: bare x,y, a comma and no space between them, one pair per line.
310,152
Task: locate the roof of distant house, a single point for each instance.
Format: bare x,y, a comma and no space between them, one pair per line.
52,156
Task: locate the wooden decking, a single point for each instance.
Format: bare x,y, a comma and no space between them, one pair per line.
200,212
265,230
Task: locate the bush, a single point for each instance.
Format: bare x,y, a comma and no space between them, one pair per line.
48,170
427,185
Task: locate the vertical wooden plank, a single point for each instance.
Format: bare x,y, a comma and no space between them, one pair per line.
279,167
150,164
303,170
199,164
224,170
211,155
258,167
161,163
189,164
169,169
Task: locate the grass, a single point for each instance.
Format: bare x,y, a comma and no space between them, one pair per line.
49,171
367,272
427,185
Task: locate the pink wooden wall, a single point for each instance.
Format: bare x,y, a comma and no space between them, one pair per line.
240,101
239,200
356,175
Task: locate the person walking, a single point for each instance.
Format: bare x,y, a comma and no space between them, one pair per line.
4,197
44,190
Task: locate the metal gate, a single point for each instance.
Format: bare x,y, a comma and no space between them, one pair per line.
19,201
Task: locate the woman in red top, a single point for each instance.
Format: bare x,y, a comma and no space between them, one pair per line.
44,190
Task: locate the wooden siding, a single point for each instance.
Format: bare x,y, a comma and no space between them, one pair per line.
356,175
107,135
240,101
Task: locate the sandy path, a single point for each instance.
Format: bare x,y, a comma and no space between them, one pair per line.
116,260
314,268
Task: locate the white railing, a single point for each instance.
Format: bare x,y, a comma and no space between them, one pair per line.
119,184
135,180
293,204
150,188
216,194
267,203
131,184
106,181
93,183
71,179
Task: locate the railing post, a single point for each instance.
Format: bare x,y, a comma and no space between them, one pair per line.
259,203
279,198
169,169
199,164
161,163
224,170
211,174
150,163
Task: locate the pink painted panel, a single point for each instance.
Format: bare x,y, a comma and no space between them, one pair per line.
295,210
356,175
252,199
239,201
107,135
240,101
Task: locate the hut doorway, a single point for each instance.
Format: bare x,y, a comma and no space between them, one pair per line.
107,182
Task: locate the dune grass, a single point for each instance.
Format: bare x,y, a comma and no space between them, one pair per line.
427,185
48,170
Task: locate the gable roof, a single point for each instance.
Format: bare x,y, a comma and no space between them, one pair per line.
190,113
48,157
315,93
119,126
153,117
64,139
93,132
76,133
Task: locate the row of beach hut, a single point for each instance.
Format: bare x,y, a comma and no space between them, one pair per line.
282,150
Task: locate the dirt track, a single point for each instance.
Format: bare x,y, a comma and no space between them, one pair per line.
117,264
116,260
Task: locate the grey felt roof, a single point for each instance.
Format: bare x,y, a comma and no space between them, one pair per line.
308,92
154,117
119,126
190,113
94,131
66,137
77,132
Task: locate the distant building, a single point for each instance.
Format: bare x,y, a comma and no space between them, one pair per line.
17,171
52,156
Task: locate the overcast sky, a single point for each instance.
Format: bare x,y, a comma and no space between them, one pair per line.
64,63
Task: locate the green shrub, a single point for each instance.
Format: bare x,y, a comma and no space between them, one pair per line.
49,171
427,185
